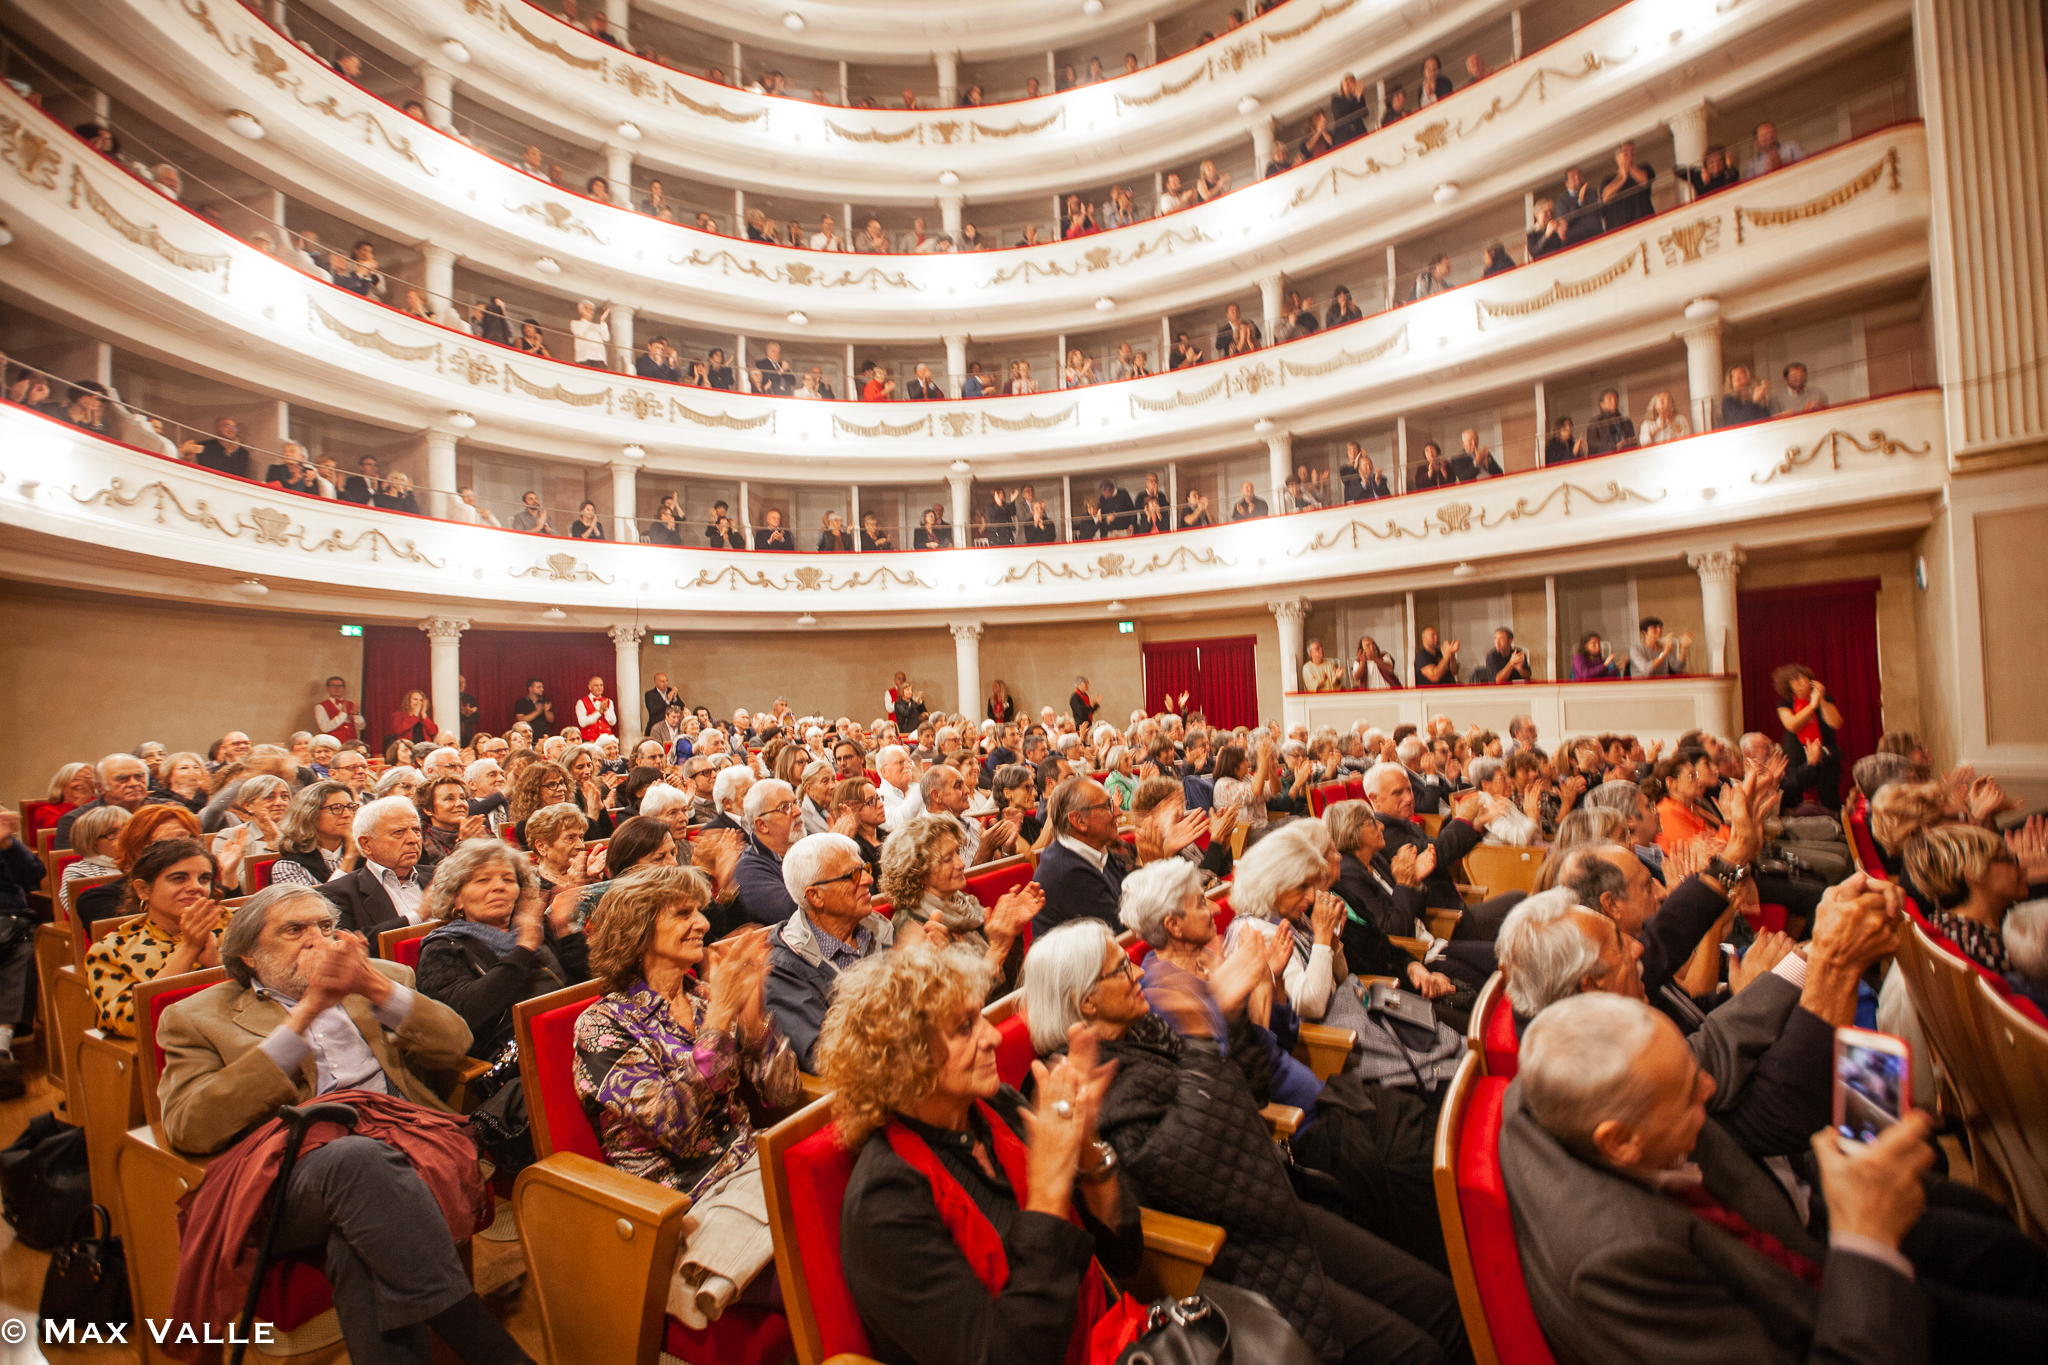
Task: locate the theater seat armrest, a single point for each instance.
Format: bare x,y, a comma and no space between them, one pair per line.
815,1087
1283,1119
1324,1049
1442,922
1471,895
1177,1252
600,1246
1414,947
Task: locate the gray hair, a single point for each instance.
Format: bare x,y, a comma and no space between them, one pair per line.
889,753
95,824
1872,773
1280,861
373,814
763,794
433,757
388,783
1380,771
1543,952
238,941
1154,892
1590,876
1618,796
1484,770
1590,825
257,787
478,769
326,741
804,864
660,798
2026,939
470,857
101,769
1578,1066
1059,970
1344,820
928,782
1409,749
732,780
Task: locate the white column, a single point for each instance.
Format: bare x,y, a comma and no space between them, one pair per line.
441,476
444,669
956,363
622,337
1550,627
742,375
618,173
1718,570
439,262
1269,303
437,92
1280,464
617,15
1400,454
952,213
1262,144
625,500
960,478
967,661
1689,135
1067,504
1703,359
1290,612
746,515
853,514
948,64
103,363
626,679
1542,422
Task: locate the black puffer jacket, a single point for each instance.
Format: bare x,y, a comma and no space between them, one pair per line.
1186,1128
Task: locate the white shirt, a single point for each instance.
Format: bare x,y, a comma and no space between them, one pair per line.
820,242
590,340
1095,857
342,1059
901,806
406,895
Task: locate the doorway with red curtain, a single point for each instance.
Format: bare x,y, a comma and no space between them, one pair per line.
1219,676
1832,629
497,664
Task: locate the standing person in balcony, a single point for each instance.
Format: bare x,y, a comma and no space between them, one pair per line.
224,453
873,539
1021,381
773,374
1626,198
1549,233
531,515
1435,84
1343,308
1663,422
1473,461
1610,430
1560,448
587,526
1434,472
657,204
923,387
1714,172
1397,107
718,374
531,341
1318,140
835,538
1771,154
774,536
1579,203
1248,505
1348,110
1320,674
930,535
1746,399
1172,199
1361,481
1372,668
1038,529
873,240
1195,515
414,718
1208,184
1434,280
596,716
1237,335
491,321
1436,660
827,237
1657,655
1799,395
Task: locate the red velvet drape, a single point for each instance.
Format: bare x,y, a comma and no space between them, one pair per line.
497,663
1832,629
1219,675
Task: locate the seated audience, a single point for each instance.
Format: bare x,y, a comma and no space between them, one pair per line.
1655,654
924,876
318,840
497,942
774,819
1663,421
1744,400
1799,394
833,928
386,891
1969,879
1610,430
94,837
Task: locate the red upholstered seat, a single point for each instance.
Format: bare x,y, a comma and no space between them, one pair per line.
990,887
1137,949
406,952
742,1336
1768,916
1324,795
30,809
1490,1231
1867,854
1354,790
63,860
818,1170
1498,1040
1014,1053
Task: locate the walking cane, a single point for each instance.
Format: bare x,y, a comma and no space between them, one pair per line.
297,1119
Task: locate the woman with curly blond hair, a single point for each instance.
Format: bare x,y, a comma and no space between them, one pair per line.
1899,811
541,783
659,1062
1966,878
962,1227
924,876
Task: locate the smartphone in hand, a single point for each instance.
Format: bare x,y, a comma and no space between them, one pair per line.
1873,1083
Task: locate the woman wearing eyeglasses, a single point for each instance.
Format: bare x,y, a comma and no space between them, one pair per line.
542,784
857,813
319,841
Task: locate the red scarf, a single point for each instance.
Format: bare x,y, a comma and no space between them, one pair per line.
977,1240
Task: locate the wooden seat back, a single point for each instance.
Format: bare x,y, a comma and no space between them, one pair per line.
2017,1048
1502,868
152,998
402,945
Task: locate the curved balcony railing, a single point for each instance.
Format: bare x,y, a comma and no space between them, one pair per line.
68,497
1860,209
1312,216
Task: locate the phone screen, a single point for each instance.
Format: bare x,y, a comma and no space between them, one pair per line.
1870,1084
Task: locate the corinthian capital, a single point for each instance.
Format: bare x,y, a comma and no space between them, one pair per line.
1293,609
444,630
626,637
967,632
1722,565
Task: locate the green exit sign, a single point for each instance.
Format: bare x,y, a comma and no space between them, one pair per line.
1126,627
356,631
661,639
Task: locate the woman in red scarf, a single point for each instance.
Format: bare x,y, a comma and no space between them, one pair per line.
976,1228
596,714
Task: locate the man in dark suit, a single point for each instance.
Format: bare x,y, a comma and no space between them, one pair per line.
362,488
1082,871
386,892
1647,1232
659,698
1393,801
1115,513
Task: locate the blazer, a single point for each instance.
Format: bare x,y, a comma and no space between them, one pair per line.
657,704
1453,841
1393,915
218,1082
1620,1273
1075,890
365,905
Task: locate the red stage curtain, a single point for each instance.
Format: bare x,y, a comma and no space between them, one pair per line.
1219,675
497,663
1832,629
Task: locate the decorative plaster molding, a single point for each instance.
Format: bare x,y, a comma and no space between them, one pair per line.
967,632
445,630
1290,609
1877,444
1718,566
627,637
1826,203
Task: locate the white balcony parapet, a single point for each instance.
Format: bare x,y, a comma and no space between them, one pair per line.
79,507
1648,708
193,291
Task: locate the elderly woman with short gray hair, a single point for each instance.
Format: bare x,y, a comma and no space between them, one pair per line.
1515,824
924,876
497,941
1184,1121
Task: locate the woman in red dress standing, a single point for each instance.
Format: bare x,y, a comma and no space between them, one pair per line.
412,719
1810,719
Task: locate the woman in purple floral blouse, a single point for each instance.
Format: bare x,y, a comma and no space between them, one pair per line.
659,1062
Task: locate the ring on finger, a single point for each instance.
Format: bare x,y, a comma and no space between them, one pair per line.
1062,1109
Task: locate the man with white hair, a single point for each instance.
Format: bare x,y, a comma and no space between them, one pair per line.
902,802
1647,1233
386,892
2026,948
729,794
124,782
832,927
774,819
700,782
485,779
1432,791
944,792
442,763
1393,801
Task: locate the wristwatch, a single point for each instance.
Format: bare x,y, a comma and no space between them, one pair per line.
1728,875
1104,1168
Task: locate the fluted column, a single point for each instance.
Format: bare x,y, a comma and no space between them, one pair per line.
1280,464
622,337
960,478
439,263
441,476
1984,95
1702,340
1270,289
1290,612
437,92
618,173
626,678
967,660
1719,568
626,496
956,365
444,669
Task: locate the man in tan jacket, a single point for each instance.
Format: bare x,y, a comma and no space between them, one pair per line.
306,1012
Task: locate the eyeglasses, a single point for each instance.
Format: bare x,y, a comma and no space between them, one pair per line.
341,808
1092,807
786,808
857,875
554,783
1126,969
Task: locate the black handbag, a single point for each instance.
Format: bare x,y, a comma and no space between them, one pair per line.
44,1183
1222,1325
87,1282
